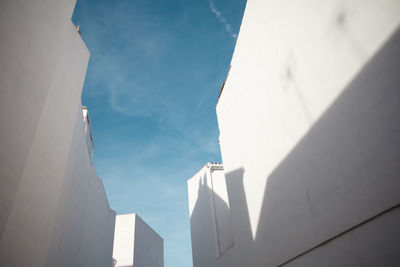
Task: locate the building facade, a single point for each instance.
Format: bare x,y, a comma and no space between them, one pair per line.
136,244
309,134
210,221
53,207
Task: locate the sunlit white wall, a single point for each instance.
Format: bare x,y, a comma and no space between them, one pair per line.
124,237
307,75
136,244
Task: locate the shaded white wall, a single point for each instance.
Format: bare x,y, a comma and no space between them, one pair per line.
149,246
374,243
54,211
136,244
210,219
84,228
309,132
32,44
222,210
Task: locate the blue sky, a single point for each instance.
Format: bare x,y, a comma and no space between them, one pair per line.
152,83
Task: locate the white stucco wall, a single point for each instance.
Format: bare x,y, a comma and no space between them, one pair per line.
33,39
222,210
84,227
149,246
124,239
374,243
309,126
136,244
54,211
210,220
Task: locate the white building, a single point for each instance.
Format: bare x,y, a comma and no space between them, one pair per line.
310,136
136,244
210,221
53,208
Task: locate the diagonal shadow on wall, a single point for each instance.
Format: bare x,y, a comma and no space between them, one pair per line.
324,204
343,172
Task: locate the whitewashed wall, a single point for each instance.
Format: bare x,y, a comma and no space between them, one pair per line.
136,243
149,246
309,130
124,239
54,211
210,219
33,39
84,228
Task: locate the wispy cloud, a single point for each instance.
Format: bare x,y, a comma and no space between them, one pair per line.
222,19
155,97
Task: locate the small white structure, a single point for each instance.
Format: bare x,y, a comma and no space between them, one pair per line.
136,244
